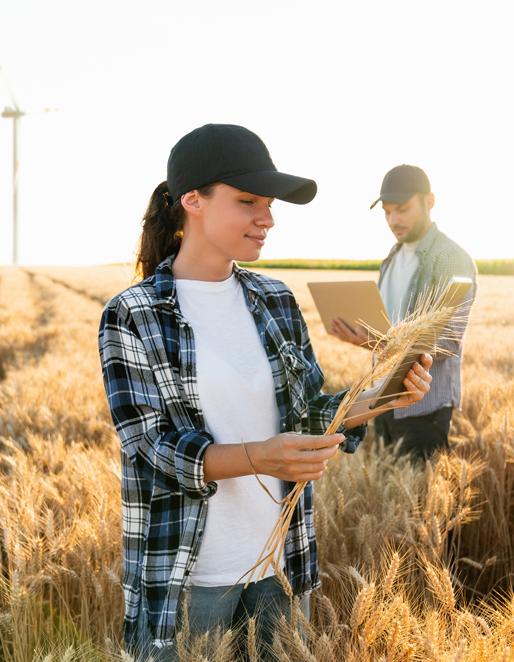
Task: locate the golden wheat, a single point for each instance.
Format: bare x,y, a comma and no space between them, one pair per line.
380,522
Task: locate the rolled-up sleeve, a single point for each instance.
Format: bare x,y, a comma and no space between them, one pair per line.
171,458
189,454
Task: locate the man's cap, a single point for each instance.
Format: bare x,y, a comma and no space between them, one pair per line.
401,183
234,155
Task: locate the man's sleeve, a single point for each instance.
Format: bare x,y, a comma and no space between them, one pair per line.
171,458
323,407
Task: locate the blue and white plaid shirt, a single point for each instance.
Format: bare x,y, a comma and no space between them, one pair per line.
149,366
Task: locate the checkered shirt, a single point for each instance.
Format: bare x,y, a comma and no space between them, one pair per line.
148,360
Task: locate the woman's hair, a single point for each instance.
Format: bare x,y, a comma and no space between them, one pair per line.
162,223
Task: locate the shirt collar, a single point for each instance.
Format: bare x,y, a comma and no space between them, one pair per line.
166,289
247,279
427,241
424,244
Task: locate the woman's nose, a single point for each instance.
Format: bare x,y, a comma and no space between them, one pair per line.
266,218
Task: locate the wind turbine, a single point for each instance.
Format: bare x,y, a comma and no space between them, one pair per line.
15,113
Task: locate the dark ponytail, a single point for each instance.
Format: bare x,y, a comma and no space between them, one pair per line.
161,235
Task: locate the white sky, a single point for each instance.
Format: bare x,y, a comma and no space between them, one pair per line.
339,91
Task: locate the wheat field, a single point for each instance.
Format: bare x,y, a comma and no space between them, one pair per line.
416,563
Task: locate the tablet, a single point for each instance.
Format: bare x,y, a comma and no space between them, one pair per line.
392,386
353,301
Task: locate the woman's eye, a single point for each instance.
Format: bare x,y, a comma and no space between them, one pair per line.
253,202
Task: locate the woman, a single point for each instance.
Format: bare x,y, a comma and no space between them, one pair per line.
211,377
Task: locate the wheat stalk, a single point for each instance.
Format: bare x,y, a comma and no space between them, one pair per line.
415,334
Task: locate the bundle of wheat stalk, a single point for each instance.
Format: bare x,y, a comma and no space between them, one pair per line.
437,317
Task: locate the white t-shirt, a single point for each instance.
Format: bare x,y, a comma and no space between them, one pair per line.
396,281
237,397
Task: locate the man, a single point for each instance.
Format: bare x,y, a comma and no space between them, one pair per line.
423,258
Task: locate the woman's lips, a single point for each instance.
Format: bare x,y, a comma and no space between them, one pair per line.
258,240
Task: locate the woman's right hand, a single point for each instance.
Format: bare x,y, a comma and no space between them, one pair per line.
294,457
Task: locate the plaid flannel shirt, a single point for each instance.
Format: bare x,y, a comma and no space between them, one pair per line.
440,259
148,359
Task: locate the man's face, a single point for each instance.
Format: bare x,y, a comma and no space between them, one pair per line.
409,220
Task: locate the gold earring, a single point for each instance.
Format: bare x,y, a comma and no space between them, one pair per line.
178,234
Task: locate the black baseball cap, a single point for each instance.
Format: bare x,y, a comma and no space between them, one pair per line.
401,183
233,155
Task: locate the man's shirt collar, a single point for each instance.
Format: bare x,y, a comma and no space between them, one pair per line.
424,244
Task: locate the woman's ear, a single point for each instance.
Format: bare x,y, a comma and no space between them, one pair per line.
191,202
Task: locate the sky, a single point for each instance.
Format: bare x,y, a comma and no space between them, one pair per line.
339,91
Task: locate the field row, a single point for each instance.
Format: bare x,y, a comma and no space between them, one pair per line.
485,267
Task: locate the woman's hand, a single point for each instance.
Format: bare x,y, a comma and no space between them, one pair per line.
294,457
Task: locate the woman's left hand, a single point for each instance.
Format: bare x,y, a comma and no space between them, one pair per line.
417,382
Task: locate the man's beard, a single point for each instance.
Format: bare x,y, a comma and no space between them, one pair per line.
418,230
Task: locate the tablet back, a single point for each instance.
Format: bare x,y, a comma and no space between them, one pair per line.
352,301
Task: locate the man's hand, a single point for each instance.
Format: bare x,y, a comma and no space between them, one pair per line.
356,334
417,382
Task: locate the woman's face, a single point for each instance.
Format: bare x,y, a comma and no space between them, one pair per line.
230,222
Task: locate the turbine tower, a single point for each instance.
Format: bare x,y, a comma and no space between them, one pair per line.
15,113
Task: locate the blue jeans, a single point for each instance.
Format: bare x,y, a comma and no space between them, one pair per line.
228,607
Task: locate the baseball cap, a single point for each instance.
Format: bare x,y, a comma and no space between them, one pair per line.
401,183
233,155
